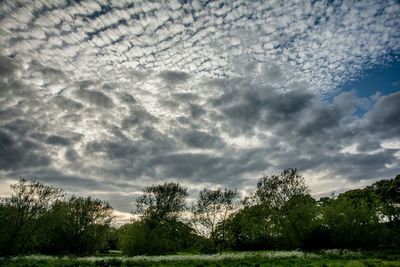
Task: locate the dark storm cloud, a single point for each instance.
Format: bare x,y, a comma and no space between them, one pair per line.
132,158
20,153
201,139
318,119
362,165
156,138
20,126
246,107
196,111
185,97
273,73
71,155
95,98
384,117
57,140
185,165
11,84
138,116
368,143
8,67
127,98
174,77
313,133
113,150
71,183
65,103
10,114
228,169
48,75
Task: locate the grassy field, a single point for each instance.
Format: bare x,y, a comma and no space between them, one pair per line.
255,259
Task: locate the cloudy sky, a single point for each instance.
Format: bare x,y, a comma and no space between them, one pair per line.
105,97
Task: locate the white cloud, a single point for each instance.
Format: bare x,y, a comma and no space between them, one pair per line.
131,89
326,42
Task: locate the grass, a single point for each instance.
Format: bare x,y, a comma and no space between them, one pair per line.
254,259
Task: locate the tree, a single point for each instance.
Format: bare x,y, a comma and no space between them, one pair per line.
212,208
353,220
78,225
159,231
161,203
299,217
276,190
250,229
30,200
142,238
388,192
279,193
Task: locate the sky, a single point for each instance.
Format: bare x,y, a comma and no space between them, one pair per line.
103,98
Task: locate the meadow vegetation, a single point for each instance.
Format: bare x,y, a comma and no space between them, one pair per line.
331,257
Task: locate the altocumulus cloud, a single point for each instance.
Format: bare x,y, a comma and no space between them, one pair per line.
105,97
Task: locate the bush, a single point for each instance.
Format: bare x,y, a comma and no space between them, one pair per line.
145,238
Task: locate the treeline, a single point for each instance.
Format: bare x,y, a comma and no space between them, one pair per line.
280,214
40,219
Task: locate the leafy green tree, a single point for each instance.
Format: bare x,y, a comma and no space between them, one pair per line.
161,203
30,200
212,209
260,227
388,192
282,196
276,190
132,239
353,219
160,230
78,225
250,229
142,238
299,217
7,213
112,238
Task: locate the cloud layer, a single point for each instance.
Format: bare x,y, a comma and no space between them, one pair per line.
107,97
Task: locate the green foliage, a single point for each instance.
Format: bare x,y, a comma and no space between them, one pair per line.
159,231
162,202
272,258
111,239
211,211
20,214
353,220
280,215
142,238
76,226
276,190
298,219
388,193
132,238
251,229
37,218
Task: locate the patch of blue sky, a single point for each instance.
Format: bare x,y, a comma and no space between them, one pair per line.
383,79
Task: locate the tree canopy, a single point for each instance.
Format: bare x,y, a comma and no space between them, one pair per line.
280,214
